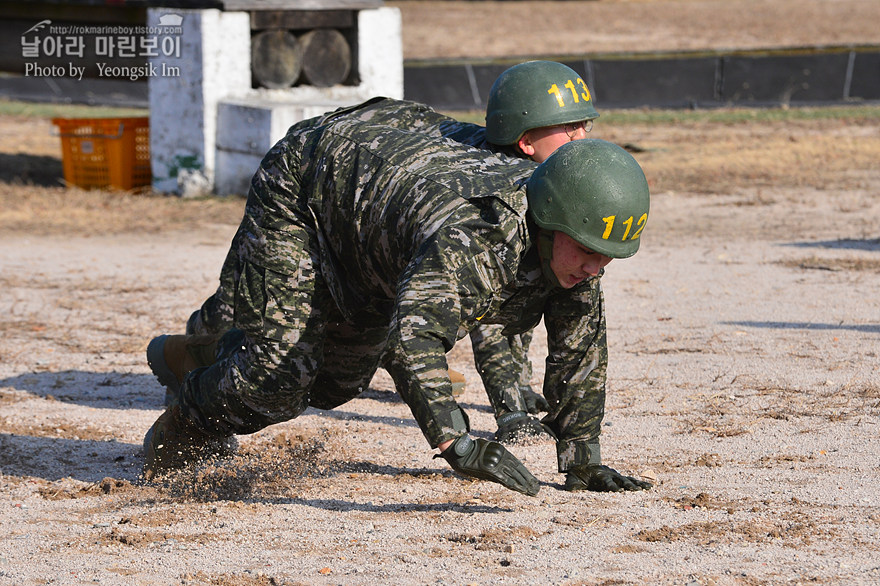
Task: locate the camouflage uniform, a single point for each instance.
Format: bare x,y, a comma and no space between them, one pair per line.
363,243
502,361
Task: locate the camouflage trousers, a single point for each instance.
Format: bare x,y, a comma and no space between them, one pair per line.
287,347
504,366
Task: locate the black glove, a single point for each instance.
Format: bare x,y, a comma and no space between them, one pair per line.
490,461
535,402
599,478
518,427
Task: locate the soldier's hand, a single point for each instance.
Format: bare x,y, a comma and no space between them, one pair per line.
491,461
535,402
599,478
519,427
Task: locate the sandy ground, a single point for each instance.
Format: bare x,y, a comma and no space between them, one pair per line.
744,381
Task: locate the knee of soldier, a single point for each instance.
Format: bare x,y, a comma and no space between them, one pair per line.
330,392
273,364
271,387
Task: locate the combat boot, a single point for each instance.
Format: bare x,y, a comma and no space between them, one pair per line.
458,382
172,357
174,441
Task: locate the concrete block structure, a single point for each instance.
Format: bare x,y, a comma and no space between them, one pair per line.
247,128
210,126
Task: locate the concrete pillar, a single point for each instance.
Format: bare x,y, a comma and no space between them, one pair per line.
213,63
380,52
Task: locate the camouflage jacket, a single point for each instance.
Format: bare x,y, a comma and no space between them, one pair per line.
432,237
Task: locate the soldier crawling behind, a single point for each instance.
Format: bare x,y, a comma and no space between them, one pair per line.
364,244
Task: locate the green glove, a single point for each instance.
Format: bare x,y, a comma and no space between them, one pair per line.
490,461
518,427
535,402
599,478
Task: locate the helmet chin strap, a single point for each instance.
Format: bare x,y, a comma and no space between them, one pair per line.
545,253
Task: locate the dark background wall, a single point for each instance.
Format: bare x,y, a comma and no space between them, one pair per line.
685,80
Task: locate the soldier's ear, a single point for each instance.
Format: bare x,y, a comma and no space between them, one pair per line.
525,144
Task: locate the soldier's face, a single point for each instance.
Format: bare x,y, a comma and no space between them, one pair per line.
573,262
539,143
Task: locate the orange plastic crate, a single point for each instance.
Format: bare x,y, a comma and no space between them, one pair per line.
105,152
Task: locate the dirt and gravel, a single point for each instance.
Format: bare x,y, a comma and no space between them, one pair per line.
744,382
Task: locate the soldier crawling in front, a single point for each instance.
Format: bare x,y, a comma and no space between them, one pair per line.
363,244
532,108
